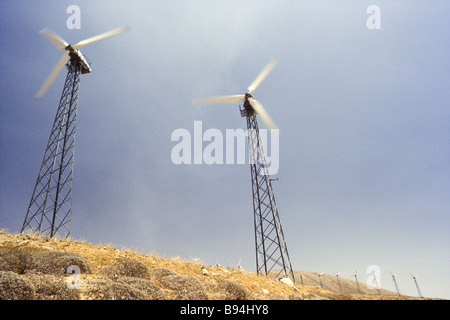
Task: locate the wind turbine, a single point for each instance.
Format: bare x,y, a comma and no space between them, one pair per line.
339,283
271,249
301,278
50,209
320,279
395,283
374,280
357,283
417,286
252,106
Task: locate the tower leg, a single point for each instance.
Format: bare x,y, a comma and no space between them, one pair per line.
50,210
271,250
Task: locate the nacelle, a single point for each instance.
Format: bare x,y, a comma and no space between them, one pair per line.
76,54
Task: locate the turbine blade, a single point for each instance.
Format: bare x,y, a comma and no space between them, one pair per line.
263,74
220,99
59,42
61,63
101,37
257,106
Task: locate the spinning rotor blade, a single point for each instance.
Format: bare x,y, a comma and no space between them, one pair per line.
220,99
257,106
59,42
61,63
272,63
100,37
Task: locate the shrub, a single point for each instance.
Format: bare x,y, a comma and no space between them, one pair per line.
14,287
49,287
232,290
55,262
107,289
112,272
131,268
125,267
159,273
185,287
16,260
152,291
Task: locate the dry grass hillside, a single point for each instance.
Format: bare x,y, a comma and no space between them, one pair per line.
37,268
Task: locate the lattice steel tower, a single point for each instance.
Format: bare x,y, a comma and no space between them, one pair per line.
50,209
271,249
272,257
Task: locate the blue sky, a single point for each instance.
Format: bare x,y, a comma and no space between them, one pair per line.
364,174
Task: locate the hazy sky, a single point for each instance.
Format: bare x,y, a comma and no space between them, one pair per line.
364,115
